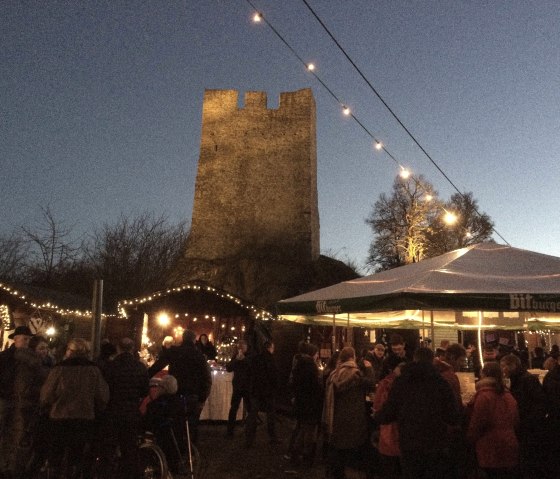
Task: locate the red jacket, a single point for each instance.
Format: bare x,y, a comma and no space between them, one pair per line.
492,425
388,433
447,373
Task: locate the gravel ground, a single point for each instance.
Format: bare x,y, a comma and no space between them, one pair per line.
228,458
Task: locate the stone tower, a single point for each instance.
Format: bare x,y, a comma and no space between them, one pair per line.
255,221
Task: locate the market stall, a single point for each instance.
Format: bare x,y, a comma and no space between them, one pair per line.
485,286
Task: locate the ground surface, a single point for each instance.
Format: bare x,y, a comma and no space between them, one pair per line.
227,458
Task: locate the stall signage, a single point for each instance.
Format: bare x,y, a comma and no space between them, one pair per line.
530,302
325,307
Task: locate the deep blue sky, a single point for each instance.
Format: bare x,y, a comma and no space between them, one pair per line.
100,105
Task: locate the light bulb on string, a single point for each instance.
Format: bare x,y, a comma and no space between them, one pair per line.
404,173
378,145
310,67
450,218
257,17
428,197
345,110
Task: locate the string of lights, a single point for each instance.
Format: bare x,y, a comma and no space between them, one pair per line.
378,144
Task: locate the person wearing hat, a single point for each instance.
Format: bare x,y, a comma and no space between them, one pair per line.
165,417
8,368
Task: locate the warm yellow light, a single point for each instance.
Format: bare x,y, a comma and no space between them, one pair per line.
346,110
428,197
257,17
310,67
404,173
450,218
163,319
50,331
378,145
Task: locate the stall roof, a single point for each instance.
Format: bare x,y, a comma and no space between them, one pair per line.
484,277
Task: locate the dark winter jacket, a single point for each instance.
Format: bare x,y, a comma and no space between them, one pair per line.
424,406
75,389
241,369
551,387
208,349
308,391
531,402
7,372
128,384
344,412
189,367
264,375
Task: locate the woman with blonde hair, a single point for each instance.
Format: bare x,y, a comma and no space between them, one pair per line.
344,412
74,393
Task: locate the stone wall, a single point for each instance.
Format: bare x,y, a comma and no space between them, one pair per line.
255,221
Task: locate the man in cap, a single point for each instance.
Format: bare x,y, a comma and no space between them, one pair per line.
8,366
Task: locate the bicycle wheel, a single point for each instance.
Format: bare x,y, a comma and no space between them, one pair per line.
153,464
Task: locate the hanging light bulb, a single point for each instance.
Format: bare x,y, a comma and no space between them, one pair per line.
428,197
310,67
257,17
450,218
378,145
404,173
345,110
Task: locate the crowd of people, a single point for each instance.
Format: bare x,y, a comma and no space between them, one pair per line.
417,425
388,412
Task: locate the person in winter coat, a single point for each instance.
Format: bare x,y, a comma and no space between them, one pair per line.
206,347
492,426
165,417
531,403
264,387
551,388
128,383
388,433
308,405
74,394
241,382
189,366
344,411
423,405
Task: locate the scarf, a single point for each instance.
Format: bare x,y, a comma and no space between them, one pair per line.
340,377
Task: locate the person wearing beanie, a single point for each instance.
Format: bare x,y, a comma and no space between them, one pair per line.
165,418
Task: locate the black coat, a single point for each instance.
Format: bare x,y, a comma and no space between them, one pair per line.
308,390
531,401
423,405
241,369
264,375
7,372
551,387
128,385
189,367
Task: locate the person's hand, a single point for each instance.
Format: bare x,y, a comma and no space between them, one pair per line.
367,364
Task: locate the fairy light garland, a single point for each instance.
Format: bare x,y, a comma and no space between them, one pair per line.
4,316
404,172
43,306
257,313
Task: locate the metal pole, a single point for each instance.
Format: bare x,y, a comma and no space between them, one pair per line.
333,333
480,320
97,305
433,330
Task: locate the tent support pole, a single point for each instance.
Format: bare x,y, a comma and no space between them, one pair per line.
433,330
479,335
333,333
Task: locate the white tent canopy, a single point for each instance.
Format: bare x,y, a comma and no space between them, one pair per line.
514,289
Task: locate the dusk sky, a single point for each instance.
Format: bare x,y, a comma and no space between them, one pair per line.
100,105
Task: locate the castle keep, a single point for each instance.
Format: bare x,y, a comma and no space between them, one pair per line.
255,221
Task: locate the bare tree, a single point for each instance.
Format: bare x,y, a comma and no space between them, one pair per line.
134,256
13,257
401,223
470,228
51,249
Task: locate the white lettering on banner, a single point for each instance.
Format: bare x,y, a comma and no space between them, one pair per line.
530,302
323,307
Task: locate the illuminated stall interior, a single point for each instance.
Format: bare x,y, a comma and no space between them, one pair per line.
56,315
204,309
